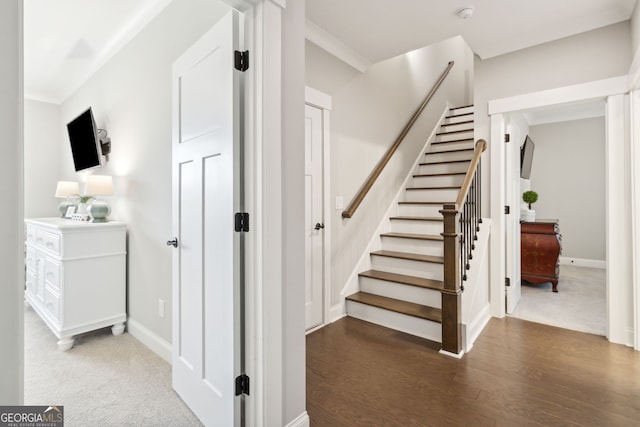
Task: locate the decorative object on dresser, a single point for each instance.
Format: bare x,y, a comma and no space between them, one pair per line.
76,275
529,197
66,190
540,249
99,185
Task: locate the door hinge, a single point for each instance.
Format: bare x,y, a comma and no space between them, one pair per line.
242,385
507,137
242,221
507,210
507,281
242,60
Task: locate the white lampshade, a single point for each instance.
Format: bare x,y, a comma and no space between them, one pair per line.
67,189
99,185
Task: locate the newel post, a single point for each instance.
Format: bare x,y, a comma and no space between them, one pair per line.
451,295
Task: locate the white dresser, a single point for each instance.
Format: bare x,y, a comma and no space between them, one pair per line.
76,275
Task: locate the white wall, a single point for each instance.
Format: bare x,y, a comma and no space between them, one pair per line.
11,219
369,111
131,98
294,356
568,174
586,57
42,147
325,72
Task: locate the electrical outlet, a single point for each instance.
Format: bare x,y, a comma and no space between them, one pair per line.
161,308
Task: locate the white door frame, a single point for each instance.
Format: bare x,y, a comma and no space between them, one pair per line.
618,265
267,340
323,101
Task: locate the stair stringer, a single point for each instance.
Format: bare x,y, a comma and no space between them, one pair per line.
476,309
364,263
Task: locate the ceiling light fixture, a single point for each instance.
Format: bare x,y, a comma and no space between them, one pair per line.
465,12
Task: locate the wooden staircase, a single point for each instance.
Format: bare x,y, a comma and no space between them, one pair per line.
403,289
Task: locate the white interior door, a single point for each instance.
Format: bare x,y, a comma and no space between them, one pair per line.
314,222
206,193
512,221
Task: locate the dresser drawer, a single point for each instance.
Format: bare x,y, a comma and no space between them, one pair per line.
30,259
48,241
52,273
30,233
32,285
52,302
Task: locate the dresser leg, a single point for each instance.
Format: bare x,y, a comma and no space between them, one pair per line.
118,328
554,284
65,344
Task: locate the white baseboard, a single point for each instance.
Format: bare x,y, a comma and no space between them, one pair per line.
472,331
336,312
152,340
581,262
301,421
454,355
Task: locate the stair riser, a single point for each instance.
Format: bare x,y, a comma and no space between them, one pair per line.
460,118
454,136
428,211
400,322
442,168
431,195
451,127
458,111
426,270
438,181
448,157
414,294
414,246
447,146
416,227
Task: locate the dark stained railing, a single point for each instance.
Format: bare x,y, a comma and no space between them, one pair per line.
462,221
375,173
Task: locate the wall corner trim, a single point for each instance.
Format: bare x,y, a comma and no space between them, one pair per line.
301,421
335,47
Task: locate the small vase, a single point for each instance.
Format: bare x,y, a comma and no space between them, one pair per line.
82,209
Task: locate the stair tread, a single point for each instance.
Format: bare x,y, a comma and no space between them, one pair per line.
454,131
421,282
453,141
464,122
424,203
424,175
398,306
450,151
451,116
445,162
449,187
413,236
410,256
416,218
459,108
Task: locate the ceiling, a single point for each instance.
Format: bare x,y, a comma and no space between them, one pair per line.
67,41
381,29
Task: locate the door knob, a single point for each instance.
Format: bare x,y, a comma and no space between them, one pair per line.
318,226
173,242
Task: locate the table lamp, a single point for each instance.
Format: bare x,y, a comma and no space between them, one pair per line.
66,190
99,185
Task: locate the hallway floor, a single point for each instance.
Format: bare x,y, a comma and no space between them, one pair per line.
518,373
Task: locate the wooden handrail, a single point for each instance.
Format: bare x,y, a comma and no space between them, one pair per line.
348,213
481,146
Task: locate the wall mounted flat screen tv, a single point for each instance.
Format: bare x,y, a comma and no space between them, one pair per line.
526,158
85,144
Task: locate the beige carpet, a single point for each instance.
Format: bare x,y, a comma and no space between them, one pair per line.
102,381
579,304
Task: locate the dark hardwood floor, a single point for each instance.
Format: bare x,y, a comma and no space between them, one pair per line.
518,374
